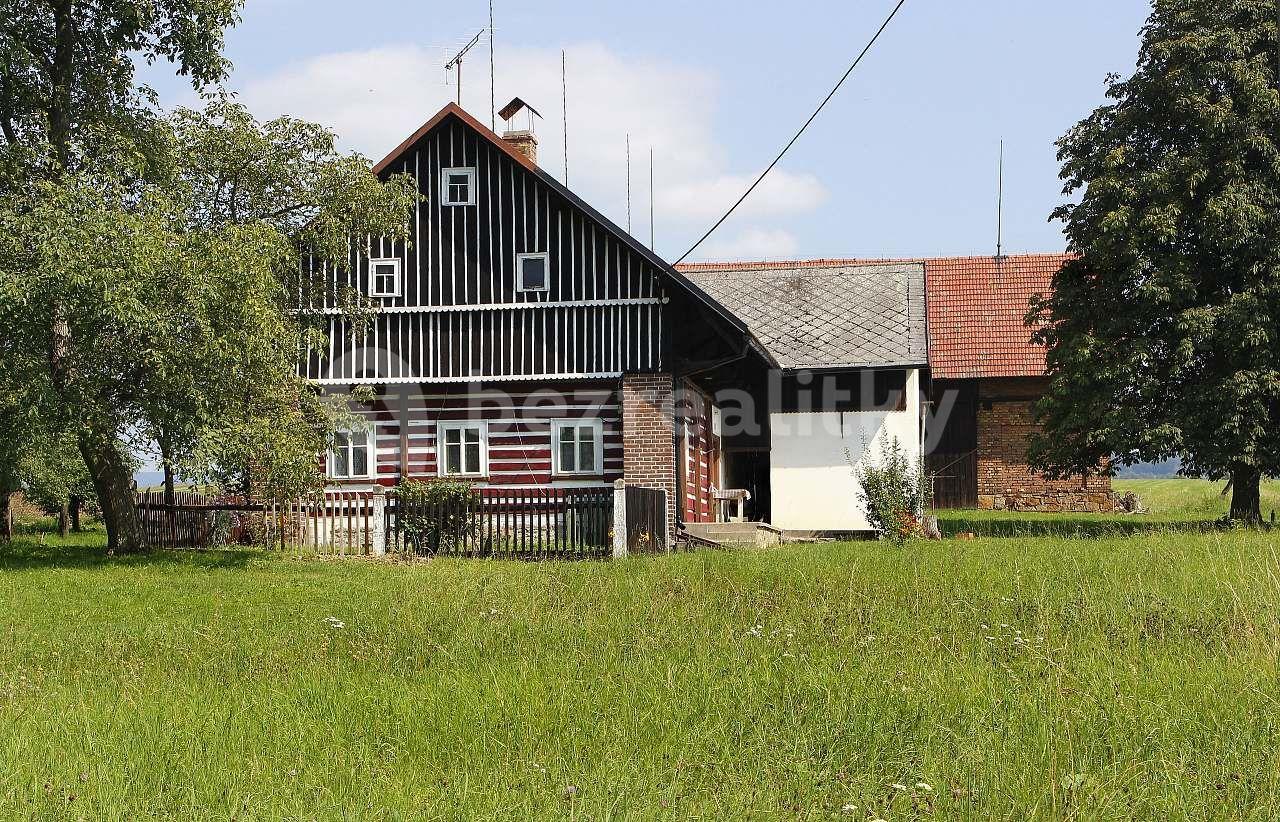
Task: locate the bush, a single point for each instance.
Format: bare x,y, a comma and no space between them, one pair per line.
437,512
894,493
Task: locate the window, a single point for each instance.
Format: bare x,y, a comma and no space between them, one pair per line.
577,447
458,186
350,456
384,278
531,271
462,449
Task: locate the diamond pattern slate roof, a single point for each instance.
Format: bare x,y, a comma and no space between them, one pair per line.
837,316
976,308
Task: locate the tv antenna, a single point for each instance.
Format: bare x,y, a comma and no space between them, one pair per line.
1000,205
456,63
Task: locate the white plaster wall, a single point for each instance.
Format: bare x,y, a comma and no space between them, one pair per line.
812,479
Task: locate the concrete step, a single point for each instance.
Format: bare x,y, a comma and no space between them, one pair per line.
736,533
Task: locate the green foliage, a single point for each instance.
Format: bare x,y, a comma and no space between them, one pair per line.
1163,336
435,512
894,492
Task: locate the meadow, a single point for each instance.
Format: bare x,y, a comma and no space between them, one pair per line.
1099,668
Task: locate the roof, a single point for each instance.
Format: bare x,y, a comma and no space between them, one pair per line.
454,110
827,316
976,309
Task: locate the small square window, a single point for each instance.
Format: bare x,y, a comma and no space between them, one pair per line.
458,186
461,449
349,455
384,278
532,271
578,447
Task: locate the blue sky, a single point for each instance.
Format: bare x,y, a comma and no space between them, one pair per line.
901,163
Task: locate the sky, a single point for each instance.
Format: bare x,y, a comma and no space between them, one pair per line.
901,163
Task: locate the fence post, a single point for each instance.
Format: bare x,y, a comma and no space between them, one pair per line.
378,523
619,519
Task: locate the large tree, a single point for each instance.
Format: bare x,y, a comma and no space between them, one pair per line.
155,260
1164,335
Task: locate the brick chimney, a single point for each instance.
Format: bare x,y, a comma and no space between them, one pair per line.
520,135
523,142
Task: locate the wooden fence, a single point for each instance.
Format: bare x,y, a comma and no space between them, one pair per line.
535,523
341,522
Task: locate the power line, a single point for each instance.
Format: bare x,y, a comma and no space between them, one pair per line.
793,140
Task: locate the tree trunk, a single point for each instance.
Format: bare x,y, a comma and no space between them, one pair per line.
170,500
64,519
6,516
110,473
1246,493
74,511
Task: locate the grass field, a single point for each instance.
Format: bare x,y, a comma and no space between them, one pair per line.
1120,668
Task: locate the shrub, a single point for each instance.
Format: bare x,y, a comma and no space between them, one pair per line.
894,493
436,512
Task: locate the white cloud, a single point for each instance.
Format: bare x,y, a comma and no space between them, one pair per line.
750,244
375,98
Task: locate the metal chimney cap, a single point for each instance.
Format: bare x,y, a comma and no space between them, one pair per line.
511,109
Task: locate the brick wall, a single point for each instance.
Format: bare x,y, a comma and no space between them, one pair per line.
648,436
1005,480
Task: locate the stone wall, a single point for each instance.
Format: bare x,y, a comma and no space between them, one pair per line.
649,436
1005,480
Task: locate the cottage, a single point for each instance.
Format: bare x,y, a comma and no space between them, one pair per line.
521,339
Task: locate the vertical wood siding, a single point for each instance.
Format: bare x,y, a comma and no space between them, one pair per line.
460,316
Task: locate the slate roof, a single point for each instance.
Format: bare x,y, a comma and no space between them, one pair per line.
976,308
835,316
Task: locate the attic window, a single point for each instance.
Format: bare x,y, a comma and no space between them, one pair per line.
531,271
458,186
384,277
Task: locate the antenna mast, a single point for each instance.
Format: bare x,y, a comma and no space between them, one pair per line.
456,62
564,115
628,183
1000,205
651,198
493,102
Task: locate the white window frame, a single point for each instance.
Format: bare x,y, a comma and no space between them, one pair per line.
597,427
373,280
462,425
445,173
370,445
546,271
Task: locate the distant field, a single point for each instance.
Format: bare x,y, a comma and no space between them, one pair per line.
1192,498
1035,677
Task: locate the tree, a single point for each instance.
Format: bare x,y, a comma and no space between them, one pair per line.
1164,335
68,101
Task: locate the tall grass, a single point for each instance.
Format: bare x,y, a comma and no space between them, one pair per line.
1048,677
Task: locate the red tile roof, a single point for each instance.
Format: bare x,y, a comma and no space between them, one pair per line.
976,308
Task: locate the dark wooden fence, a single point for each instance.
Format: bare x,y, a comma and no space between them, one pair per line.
535,523
646,519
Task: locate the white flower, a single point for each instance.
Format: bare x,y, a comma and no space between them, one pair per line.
898,786
848,808
924,786
334,623
756,631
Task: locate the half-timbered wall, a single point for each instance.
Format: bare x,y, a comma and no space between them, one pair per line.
405,420
459,315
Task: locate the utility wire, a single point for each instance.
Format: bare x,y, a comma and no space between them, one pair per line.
788,146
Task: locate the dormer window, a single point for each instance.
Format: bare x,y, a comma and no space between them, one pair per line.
458,186
532,271
384,277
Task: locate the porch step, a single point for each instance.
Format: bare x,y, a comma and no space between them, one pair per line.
735,533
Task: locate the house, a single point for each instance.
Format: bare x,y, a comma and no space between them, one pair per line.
521,339
984,373
851,349
986,378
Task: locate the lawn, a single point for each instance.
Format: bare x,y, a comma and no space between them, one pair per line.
1118,669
